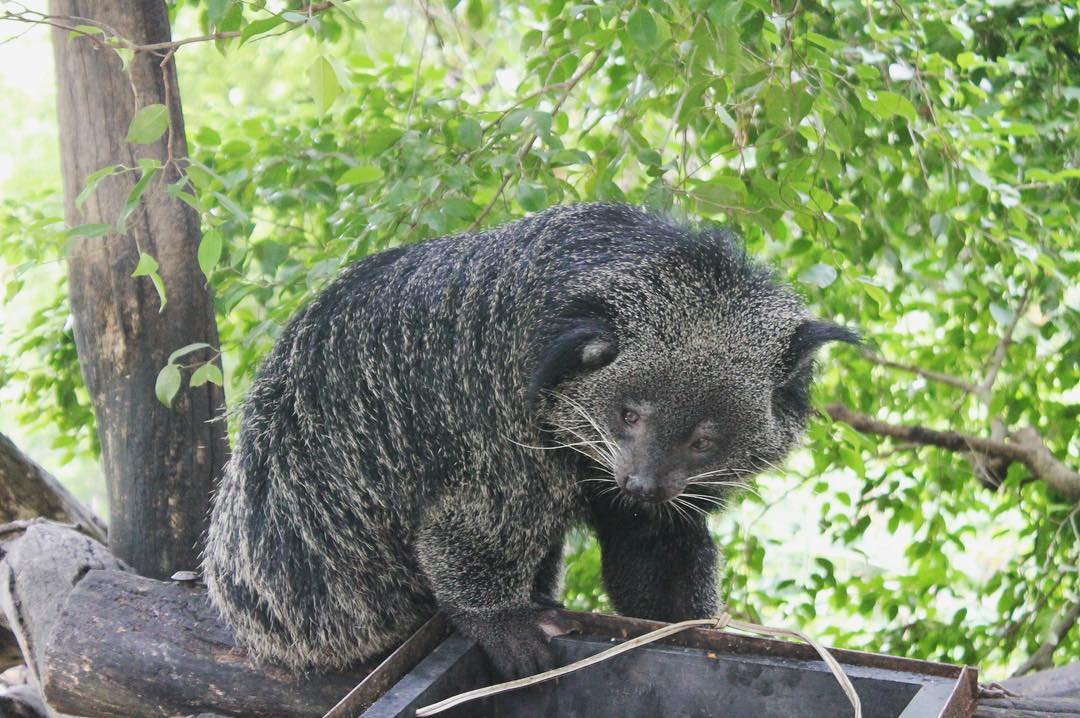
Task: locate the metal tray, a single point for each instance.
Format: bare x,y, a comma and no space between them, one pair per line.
695,673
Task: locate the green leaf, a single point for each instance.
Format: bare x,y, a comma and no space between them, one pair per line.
474,13
216,10
80,30
968,60
826,43
159,285
641,27
207,372
90,230
125,54
167,384
208,136
361,175
187,349
133,199
148,124
93,181
531,196
147,265
885,104
381,140
323,84
820,275
469,133
258,27
228,203
1002,314
563,158
720,191
209,251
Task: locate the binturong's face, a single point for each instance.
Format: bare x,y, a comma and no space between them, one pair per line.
687,415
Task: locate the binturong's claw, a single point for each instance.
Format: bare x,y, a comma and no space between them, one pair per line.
553,624
515,640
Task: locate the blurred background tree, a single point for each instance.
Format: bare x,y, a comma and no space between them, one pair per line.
912,168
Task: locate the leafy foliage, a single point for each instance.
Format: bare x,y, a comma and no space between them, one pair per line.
913,169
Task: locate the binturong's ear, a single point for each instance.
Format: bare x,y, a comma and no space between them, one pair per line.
580,345
808,338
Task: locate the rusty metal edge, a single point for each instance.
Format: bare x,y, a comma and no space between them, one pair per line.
406,657
962,700
623,627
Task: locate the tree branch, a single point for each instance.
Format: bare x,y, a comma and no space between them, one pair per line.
930,374
28,491
75,24
1043,657
997,359
1024,446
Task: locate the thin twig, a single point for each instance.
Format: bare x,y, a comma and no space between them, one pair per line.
930,374
70,23
1043,657
570,85
997,359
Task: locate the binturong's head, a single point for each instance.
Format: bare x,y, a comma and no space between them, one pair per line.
681,375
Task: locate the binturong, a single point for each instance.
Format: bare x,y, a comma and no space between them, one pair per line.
426,431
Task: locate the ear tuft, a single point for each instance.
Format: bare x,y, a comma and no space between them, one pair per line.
582,345
597,353
812,334
809,337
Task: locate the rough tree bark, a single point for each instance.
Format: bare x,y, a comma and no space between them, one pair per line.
103,641
28,491
159,462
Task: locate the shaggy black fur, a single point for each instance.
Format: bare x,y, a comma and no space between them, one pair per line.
427,430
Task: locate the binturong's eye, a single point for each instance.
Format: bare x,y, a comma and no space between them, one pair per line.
630,417
702,445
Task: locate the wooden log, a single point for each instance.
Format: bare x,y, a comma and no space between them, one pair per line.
1028,707
1060,682
159,462
39,565
103,641
28,491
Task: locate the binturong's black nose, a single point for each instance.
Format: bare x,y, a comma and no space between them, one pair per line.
643,488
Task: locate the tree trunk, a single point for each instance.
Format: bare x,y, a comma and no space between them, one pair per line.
159,462
102,641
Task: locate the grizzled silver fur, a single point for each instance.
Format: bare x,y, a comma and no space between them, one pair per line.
415,439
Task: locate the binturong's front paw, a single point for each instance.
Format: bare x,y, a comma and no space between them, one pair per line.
514,639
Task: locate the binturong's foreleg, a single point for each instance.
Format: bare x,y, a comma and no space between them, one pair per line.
656,565
484,569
